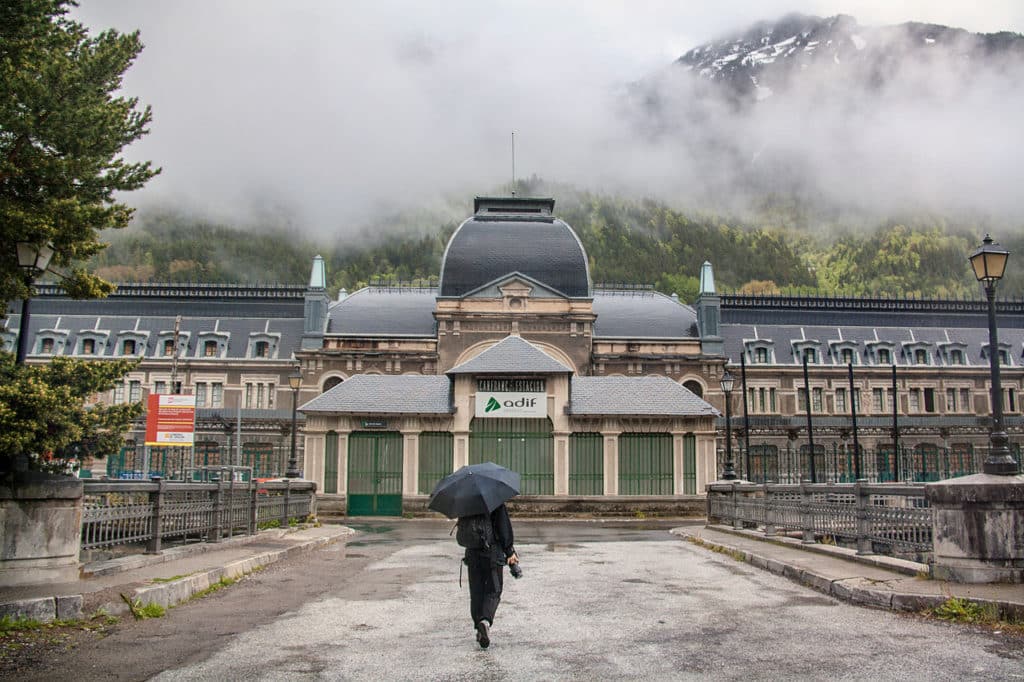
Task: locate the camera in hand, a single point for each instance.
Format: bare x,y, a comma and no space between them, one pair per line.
515,570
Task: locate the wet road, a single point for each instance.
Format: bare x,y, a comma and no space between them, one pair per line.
598,600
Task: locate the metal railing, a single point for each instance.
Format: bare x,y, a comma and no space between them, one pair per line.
835,463
879,518
134,512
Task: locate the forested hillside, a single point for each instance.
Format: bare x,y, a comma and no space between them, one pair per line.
628,241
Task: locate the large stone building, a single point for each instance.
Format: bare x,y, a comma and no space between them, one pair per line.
592,394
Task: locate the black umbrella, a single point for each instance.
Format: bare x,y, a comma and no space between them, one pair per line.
474,489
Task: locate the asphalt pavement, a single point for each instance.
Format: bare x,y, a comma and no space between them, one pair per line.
600,599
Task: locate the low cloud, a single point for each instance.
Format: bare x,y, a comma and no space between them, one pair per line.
321,115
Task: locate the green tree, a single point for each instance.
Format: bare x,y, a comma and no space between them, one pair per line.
48,415
62,130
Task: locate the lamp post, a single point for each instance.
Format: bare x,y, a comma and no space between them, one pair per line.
989,263
33,260
294,380
729,473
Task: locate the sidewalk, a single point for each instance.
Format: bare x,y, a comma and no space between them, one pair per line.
168,578
872,580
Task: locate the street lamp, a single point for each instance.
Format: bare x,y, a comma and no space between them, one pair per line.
729,473
33,260
294,380
989,262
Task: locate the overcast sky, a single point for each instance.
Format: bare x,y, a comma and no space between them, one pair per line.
326,111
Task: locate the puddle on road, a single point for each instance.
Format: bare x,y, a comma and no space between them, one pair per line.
368,528
639,581
560,546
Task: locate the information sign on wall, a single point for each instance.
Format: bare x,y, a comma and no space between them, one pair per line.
519,404
170,419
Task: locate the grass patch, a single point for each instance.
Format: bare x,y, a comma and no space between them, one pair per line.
171,579
9,624
143,611
733,553
960,610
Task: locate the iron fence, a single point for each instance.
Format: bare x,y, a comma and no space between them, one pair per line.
135,512
880,518
138,462
836,463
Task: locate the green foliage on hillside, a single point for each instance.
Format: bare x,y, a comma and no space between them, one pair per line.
627,241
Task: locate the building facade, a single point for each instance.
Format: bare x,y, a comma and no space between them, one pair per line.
516,357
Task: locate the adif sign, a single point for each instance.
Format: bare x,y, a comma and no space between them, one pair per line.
516,405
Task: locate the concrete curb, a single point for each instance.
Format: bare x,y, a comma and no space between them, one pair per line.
70,607
856,590
181,590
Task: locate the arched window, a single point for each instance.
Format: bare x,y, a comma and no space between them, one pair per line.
331,383
694,387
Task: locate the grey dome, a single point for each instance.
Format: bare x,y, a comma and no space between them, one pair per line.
509,235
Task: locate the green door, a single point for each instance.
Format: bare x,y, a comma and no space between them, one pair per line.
523,445
645,464
586,464
375,473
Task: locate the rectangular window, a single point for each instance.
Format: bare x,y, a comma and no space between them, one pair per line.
965,399
168,348
135,391
878,399
883,356
47,346
761,356
160,387
847,356
914,397
217,394
840,400
88,346
1010,402
801,400
259,395
771,399
929,400
816,394
248,396
856,399
811,355
129,347
118,393
271,393
951,400
201,394
210,349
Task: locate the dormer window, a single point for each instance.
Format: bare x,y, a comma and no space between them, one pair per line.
263,345
760,351
884,356
51,341
168,348
844,352
88,346
917,353
46,345
210,348
131,343
806,350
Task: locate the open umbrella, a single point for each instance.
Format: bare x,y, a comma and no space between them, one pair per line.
474,489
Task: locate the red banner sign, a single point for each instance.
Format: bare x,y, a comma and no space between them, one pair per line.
170,419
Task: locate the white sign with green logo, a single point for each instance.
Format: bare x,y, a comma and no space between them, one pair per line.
519,404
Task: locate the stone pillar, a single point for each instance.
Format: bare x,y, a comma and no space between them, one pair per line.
41,529
611,462
561,463
410,460
978,528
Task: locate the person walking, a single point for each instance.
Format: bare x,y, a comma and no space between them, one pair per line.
488,540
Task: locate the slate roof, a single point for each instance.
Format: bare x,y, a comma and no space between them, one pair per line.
487,247
640,396
511,355
385,394
239,313
383,311
642,315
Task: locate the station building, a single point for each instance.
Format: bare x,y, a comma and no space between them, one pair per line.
597,396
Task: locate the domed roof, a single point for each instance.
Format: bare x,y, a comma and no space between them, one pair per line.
510,235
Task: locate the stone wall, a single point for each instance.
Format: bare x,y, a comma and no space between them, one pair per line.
40,527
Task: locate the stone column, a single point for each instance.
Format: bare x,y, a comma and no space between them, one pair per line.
611,462
41,529
561,445
978,528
